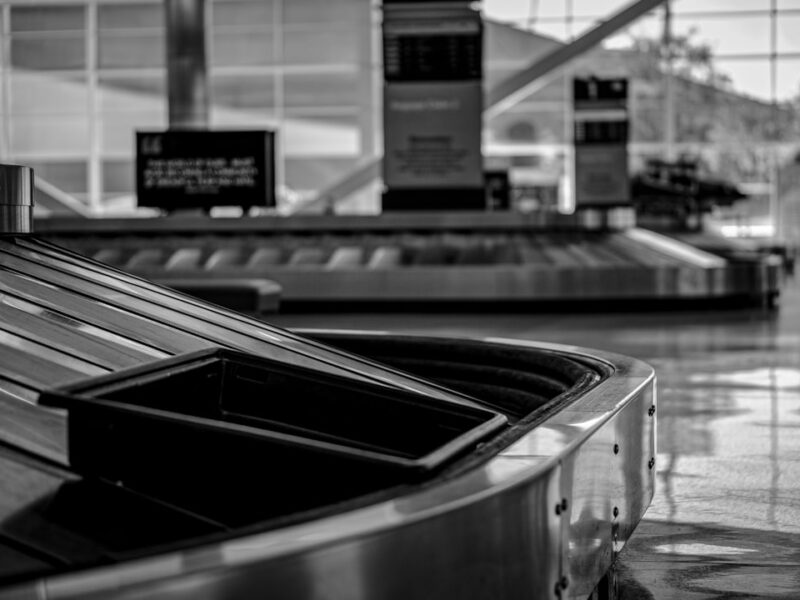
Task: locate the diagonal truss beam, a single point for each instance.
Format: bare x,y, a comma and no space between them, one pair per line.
521,85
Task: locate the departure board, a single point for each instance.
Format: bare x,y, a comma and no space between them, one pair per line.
601,137
449,50
432,106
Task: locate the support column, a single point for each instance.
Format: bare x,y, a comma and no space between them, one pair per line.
16,199
187,73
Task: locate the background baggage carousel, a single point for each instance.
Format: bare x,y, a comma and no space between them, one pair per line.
419,258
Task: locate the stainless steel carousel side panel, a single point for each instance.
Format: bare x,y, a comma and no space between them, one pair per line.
610,483
536,520
482,546
607,471
518,283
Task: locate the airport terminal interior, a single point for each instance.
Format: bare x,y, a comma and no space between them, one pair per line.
263,261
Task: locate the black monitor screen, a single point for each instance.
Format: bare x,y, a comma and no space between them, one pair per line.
202,169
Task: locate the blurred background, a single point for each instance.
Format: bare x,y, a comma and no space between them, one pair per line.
714,81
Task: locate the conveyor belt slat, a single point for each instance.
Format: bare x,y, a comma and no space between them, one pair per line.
346,257
263,258
184,259
148,257
223,258
385,257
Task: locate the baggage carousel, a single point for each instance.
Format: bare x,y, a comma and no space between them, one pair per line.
153,445
408,259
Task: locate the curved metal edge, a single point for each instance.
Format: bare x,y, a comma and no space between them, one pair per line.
425,220
516,283
536,520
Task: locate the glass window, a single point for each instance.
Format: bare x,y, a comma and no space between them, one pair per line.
493,76
49,135
321,89
131,51
130,16
316,173
595,8
647,124
243,91
788,76
118,130
328,46
749,77
119,177
222,117
242,13
742,164
552,92
705,114
554,29
134,93
53,53
650,27
320,136
68,176
543,10
47,18
330,11
788,40
515,10
719,5
33,93
242,48
727,35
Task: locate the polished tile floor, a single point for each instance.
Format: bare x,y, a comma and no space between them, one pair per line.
725,520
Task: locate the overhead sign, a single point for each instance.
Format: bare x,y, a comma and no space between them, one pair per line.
432,106
202,169
601,142
433,136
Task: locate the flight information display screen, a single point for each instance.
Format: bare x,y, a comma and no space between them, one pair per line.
203,169
421,50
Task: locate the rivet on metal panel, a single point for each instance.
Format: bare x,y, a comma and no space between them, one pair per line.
652,410
616,448
616,512
651,463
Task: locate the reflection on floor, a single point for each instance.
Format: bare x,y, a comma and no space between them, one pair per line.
725,521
